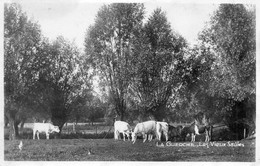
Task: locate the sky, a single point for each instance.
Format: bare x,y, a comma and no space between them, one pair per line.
72,18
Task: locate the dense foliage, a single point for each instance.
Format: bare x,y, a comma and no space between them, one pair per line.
230,38
146,69
22,39
109,48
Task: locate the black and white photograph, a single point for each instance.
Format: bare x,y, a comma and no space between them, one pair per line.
129,82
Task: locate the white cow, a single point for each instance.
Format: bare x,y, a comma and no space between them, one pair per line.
122,127
162,127
46,128
144,128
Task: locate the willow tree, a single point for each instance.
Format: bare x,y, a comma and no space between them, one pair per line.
157,53
63,80
109,48
230,37
22,39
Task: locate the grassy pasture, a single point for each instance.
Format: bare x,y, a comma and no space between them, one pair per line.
111,150
71,149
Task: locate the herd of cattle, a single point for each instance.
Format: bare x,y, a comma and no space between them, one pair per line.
148,130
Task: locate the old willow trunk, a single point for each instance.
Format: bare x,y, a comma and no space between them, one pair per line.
59,118
13,129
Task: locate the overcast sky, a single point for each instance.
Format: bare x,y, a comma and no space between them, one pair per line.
72,18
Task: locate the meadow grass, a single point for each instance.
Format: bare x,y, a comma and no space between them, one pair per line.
118,150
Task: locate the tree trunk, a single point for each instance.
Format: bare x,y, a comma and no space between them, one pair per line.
122,115
13,130
59,123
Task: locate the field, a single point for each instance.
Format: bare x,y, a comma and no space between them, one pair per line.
68,149
111,150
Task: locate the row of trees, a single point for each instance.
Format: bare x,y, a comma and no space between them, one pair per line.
146,69
137,60
42,79
150,71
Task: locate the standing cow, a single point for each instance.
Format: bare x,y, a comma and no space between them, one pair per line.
204,126
207,130
122,127
194,130
144,128
162,127
46,128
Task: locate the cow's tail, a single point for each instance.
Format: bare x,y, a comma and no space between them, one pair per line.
115,134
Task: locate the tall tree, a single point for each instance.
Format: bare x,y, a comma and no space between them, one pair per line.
109,44
157,51
22,38
231,38
63,79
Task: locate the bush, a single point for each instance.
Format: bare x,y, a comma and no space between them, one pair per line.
224,135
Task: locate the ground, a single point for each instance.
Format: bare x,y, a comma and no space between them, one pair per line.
111,150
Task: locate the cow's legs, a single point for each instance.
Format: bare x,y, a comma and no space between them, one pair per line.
193,137
207,136
124,134
145,137
34,132
38,133
118,135
47,135
127,134
166,136
115,135
159,136
150,137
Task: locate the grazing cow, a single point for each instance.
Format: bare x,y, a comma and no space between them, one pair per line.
122,127
203,123
190,130
144,128
162,127
174,132
46,128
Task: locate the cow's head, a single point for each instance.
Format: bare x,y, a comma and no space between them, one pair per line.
55,129
133,135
